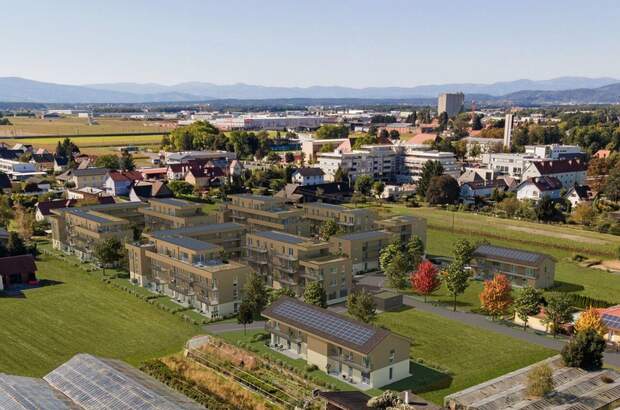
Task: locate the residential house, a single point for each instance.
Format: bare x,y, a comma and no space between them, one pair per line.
611,319
336,192
170,213
470,191
118,183
43,161
150,174
569,172
88,177
19,171
17,270
579,194
189,270
522,268
308,176
205,177
291,261
348,349
44,209
538,188
61,164
143,190
396,192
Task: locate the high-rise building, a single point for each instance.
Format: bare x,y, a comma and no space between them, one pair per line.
508,130
452,103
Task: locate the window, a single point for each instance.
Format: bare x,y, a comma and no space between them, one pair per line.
391,373
213,283
392,356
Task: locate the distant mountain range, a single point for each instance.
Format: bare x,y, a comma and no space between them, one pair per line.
562,90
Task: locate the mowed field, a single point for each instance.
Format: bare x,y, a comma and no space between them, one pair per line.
445,228
78,313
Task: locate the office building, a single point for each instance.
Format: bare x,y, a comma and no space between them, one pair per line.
451,103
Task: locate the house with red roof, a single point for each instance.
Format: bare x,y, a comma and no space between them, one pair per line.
539,187
611,318
569,172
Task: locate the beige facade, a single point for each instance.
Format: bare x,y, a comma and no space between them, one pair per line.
363,248
190,271
260,212
172,213
348,219
522,268
404,227
291,261
78,230
374,359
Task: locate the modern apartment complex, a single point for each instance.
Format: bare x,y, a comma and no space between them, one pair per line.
77,230
522,268
260,212
345,348
291,261
451,103
191,271
413,161
171,213
348,219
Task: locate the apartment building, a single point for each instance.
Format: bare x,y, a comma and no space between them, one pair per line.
378,161
230,236
291,261
522,268
508,164
345,348
261,212
19,171
191,271
348,219
363,248
88,177
171,213
78,230
556,151
414,159
404,227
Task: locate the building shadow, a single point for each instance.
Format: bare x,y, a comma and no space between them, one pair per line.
423,379
560,286
17,292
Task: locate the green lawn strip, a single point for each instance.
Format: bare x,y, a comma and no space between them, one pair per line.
238,336
455,355
78,313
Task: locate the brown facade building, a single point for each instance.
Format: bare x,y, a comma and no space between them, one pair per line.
260,213
172,213
347,219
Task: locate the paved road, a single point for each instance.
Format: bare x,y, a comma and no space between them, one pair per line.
473,319
217,328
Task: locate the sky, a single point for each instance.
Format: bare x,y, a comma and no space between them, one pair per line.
301,43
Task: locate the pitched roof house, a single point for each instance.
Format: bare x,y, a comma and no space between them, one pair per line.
44,208
308,176
143,190
579,194
119,183
538,188
17,270
569,172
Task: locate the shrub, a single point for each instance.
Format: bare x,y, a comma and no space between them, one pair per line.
310,368
540,381
584,350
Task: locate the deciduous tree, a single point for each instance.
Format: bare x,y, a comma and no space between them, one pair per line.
584,350
557,312
463,251
591,319
442,190
314,294
396,272
527,303
429,170
361,306
415,251
495,297
456,279
327,229
245,316
363,184
109,161
255,294
426,279
108,251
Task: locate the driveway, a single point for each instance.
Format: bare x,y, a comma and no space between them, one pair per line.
217,328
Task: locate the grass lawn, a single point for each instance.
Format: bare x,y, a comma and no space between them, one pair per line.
77,313
569,276
463,355
73,126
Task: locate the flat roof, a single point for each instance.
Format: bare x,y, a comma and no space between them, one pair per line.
186,242
334,207
175,202
94,216
200,229
369,235
340,329
256,197
282,237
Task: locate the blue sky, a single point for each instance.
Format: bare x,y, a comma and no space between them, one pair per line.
308,42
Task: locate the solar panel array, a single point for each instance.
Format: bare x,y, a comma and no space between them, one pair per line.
507,253
332,325
18,392
611,321
96,384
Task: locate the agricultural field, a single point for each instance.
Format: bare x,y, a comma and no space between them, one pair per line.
562,242
75,312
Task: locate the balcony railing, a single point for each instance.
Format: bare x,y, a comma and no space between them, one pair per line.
344,360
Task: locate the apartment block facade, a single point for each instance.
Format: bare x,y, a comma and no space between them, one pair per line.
348,219
260,212
345,348
172,213
190,271
291,261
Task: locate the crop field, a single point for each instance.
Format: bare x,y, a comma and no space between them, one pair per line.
561,242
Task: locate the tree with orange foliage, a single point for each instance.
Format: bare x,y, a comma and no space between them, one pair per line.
495,297
591,319
426,279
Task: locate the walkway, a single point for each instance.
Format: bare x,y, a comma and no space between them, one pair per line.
473,319
217,328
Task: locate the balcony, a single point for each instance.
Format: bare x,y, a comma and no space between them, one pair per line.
351,363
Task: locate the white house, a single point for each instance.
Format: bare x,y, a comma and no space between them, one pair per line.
480,189
579,194
308,176
538,188
569,172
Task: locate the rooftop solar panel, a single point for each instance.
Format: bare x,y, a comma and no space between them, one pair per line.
611,321
18,392
508,253
335,326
